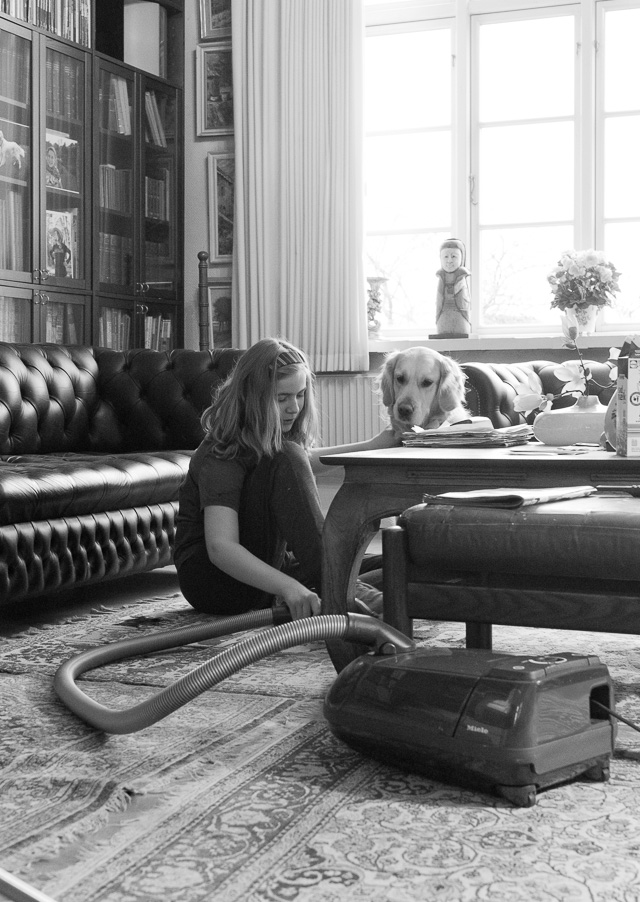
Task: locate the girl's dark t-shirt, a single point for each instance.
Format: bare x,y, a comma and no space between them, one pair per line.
210,481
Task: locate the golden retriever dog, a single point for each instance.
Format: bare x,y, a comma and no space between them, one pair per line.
421,387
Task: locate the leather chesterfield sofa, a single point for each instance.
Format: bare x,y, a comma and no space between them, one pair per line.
94,445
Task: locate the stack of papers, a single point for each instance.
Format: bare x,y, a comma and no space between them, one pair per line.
480,434
510,498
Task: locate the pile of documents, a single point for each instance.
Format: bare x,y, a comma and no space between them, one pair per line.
478,432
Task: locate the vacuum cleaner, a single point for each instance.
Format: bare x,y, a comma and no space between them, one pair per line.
509,724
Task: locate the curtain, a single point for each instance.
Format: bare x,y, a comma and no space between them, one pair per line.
298,270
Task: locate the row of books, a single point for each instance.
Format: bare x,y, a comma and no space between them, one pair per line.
12,231
157,197
70,19
116,258
15,69
154,132
65,86
159,267
15,319
158,331
63,323
114,329
115,188
119,107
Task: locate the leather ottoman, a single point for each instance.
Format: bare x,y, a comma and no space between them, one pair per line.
564,565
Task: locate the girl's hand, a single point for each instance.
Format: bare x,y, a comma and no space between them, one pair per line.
302,602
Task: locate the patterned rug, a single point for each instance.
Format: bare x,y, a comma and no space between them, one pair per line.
244,794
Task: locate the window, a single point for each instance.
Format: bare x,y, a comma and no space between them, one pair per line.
516,131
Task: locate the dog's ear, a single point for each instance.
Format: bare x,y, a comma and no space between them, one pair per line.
451,389
385,379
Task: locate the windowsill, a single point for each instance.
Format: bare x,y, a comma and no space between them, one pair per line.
497,342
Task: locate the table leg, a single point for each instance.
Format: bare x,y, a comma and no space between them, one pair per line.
352,521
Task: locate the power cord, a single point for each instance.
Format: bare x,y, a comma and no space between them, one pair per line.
617,716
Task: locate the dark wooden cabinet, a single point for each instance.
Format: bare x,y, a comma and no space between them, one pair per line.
91,181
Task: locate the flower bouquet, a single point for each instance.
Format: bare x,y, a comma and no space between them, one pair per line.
583,279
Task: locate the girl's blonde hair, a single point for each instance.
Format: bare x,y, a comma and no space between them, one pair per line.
244,419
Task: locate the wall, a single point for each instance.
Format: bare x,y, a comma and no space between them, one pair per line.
196,232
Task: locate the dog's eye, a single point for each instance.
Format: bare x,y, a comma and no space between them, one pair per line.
426,383
401,379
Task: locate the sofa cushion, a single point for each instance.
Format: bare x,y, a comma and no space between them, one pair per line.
41,486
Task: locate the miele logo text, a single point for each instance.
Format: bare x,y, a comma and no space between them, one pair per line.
477,729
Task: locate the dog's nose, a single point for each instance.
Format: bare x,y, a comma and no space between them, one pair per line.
405,411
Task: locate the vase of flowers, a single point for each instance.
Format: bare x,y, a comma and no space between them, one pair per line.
583,282
584,420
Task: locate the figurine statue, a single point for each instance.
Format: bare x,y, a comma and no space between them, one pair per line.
452,305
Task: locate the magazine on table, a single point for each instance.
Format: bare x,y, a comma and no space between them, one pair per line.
510,498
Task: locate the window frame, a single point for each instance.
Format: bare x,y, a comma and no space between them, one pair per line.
466,18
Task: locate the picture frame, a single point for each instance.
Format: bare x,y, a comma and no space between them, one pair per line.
215,19
214,89
220,313
221,175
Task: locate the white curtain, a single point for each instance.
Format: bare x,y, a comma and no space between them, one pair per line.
298,271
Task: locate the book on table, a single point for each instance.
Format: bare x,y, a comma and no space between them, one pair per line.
510,498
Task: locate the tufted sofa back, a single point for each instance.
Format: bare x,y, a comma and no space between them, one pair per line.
57,398
492,387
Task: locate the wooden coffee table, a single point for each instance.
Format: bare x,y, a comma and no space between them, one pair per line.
383,483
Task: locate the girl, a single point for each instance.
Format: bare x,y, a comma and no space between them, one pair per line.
249,526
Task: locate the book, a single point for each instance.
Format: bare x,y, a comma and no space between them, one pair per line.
510,498
145,36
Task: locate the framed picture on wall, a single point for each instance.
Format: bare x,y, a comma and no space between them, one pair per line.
215,19
214,89
221,197
220,313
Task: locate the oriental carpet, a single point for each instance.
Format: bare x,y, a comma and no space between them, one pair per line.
244,794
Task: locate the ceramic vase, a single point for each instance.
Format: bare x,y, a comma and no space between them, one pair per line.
586,317
582,422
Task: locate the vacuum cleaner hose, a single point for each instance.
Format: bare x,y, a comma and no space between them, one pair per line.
356,627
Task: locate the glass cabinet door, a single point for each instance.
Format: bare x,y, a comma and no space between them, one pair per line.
158,274
63,318
16,140
16,315
116,180
64,155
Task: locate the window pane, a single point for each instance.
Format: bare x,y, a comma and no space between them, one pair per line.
622,241
408,182
399,70
526,173
527,69
622,176
514,264
622,61
410,262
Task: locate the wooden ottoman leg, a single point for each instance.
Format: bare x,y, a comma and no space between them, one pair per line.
479,635
394,579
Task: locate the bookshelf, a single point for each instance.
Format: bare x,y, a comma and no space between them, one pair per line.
91,172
